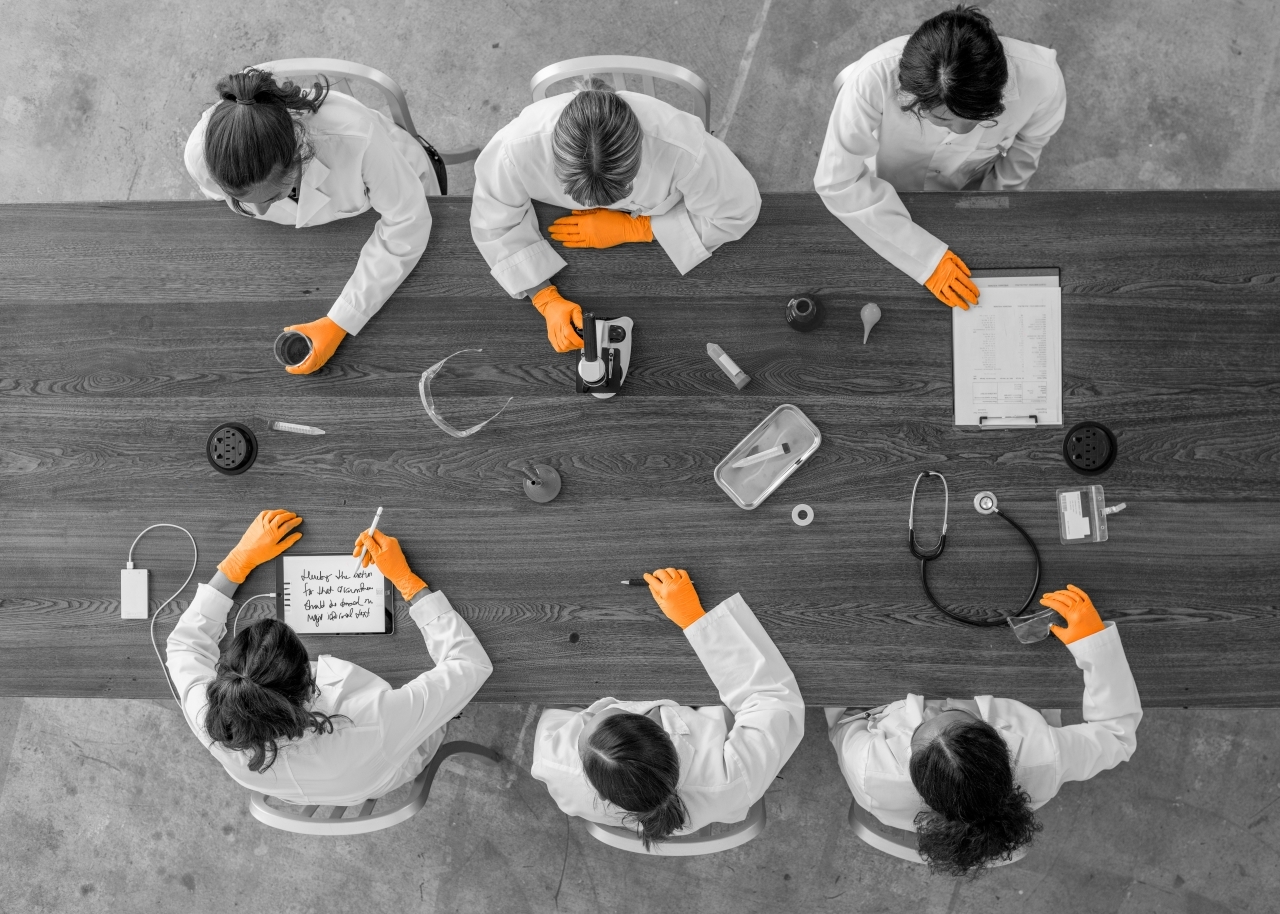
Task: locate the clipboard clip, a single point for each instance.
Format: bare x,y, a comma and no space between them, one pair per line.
1009,421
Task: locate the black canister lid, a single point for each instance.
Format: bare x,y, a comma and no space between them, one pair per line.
231,448
1089,448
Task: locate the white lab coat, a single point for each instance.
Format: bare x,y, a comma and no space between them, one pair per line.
874,150
391,733
362,161
728,755
695,192
874,748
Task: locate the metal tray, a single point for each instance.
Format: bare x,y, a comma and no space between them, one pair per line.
750,486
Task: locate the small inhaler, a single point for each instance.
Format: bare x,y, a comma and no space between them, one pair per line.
728,365
1082,515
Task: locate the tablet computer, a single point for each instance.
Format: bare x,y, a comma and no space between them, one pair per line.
325,594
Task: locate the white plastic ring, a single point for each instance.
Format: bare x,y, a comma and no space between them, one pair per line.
802,515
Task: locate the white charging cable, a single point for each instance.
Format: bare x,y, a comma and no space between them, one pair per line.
235,620
195,558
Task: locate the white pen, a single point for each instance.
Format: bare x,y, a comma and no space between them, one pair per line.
296,428
373,526
774,451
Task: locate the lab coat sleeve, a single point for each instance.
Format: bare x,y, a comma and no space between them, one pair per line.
756,684
1013,170
1112,710
854,195
399,238
850,734
422,706
504,225
192,651
720,203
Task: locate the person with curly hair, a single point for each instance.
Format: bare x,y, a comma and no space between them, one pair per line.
967,775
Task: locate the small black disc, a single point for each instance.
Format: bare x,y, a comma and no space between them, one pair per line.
231,448
1089,448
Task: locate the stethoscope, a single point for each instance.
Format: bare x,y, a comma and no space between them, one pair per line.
983,503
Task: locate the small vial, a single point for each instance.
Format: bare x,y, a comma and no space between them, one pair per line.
728,365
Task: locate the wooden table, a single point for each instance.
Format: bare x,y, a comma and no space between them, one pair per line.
131,330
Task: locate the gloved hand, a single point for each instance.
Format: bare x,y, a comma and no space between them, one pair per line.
600,228
562,316
385,552
261,543
1074,605
674,593
325,336
951,284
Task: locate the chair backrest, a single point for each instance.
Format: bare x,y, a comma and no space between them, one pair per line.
898,842
618,66
341,74
709,840
306,822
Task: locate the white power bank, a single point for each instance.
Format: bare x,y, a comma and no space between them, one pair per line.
133,593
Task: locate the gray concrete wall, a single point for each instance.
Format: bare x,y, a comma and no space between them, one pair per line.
113,806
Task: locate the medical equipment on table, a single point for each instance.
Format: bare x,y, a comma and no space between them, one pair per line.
296,427
231,448
1090,448
543,486
606,355
775,451
1082,515
870,317
291,348
429,404
804,313
739,377
1033,628
749,486
802,515
983,503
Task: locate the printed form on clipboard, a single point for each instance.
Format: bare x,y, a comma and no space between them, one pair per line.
1007,351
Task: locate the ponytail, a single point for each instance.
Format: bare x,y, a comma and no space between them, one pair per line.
260,692
977,814
632,763
253,134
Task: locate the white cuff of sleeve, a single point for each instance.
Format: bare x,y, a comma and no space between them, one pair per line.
213,603
675,232
426,609
527,268
347,316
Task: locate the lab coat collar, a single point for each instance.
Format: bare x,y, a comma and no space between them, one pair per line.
899,727
330,674
672,723
311,199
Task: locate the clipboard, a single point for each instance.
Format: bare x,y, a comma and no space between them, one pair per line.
324,594
1007,351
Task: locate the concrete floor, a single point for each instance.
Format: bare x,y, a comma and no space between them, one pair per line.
113,806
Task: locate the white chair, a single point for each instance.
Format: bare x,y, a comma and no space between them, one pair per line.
711,839
618,66
342,73
306,822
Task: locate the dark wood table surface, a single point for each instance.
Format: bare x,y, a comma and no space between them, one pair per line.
131,330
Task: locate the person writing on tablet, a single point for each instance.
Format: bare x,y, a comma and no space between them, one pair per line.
325,732
666,769
952,107
967,775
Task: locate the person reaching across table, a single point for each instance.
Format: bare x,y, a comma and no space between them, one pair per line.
325,732
666,769
306,157
952,107
967,775
632,169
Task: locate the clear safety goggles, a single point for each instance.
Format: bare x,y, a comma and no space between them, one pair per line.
429,404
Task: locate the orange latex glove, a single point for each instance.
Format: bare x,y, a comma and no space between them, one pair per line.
385,552
562,316
325,336
1074,605
674,593
261,543
951,284
600,228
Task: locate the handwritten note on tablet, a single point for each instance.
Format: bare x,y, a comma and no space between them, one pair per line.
325,594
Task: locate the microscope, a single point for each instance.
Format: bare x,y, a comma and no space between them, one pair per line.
606,355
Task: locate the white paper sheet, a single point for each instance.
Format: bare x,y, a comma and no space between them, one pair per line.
1007,351
325,594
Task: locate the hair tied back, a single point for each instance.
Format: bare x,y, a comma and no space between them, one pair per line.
246,101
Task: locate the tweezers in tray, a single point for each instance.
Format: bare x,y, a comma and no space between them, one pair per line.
750,486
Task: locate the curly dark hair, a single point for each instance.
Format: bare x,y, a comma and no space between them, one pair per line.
252,135
976,814
596,143
631,762
258,698
954,60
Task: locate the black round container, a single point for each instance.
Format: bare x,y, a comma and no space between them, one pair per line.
1090,448
231,448
804,313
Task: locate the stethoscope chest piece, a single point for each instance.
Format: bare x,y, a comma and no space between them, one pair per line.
985,503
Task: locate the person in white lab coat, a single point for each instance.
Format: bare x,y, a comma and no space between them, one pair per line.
632,169
967,775
666,769
306,157
952,107
327,732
